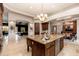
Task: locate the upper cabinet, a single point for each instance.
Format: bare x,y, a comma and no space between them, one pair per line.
37,28
45,26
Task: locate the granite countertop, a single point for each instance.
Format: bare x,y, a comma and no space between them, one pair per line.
53,37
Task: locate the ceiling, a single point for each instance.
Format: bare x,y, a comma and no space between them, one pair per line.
33,9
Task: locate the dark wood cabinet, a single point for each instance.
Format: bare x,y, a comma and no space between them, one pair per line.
51,51
48,49
43,50
38,49
45,26
37,28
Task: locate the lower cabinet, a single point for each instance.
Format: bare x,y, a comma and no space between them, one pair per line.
38,49
49,49
43,50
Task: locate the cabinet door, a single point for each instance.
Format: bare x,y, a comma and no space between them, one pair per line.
50,51
38,49
37,28
44,26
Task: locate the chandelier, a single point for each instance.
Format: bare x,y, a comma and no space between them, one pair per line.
42,16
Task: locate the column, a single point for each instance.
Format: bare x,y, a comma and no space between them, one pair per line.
12,30
49,28
77,30
31,29
40,28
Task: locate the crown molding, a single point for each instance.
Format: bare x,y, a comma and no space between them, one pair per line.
19,12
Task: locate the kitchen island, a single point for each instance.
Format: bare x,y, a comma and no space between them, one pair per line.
49,47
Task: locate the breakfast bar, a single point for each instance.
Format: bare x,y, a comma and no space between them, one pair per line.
49,47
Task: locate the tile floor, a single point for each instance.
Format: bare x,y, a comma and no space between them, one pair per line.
14,48
70,49
19,49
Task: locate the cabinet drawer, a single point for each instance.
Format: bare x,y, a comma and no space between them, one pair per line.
49,44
